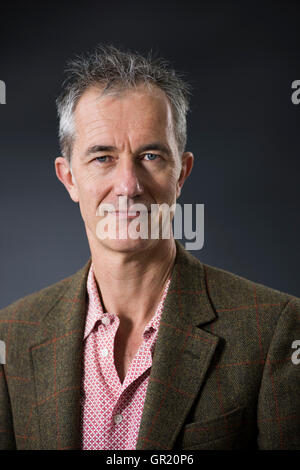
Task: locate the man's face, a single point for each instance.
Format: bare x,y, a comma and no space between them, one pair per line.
124,146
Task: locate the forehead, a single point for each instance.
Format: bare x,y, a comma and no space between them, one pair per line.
135,112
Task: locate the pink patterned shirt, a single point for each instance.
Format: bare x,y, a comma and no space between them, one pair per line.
111,411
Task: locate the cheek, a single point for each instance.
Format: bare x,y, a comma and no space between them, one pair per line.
167,188
91,193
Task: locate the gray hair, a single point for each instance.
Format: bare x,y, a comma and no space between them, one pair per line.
118,70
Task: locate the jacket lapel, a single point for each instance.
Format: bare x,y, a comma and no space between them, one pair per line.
183,353
57,363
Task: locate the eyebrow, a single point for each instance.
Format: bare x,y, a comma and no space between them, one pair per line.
99,148
108,148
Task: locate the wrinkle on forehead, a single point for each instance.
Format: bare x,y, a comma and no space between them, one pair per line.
135,110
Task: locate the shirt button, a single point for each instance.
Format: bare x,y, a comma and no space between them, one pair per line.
104,352
118,418
105,321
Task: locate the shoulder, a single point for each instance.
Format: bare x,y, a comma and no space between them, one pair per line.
227,290
228,287
32,307
237,298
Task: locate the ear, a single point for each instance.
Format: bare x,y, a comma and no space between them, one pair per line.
64,174
187,161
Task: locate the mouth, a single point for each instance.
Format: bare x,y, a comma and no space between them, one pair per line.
128,214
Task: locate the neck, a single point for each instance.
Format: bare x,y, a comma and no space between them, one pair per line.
131,283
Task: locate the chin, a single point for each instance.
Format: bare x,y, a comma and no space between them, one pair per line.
128,245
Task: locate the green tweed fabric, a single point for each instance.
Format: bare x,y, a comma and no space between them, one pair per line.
222,374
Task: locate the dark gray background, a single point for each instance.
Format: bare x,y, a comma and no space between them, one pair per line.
240,57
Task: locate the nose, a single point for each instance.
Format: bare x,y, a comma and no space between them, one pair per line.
127,182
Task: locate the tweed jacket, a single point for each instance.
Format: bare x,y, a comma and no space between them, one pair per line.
222,375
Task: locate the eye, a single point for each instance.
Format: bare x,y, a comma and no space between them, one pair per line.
102,159
150,156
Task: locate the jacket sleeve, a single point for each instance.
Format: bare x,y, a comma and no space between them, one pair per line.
7,438
279,398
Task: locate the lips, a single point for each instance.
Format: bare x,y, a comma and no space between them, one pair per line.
128,214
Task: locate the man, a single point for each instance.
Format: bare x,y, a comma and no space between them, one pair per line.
145,347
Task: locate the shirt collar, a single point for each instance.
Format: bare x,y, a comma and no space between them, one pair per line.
95,307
